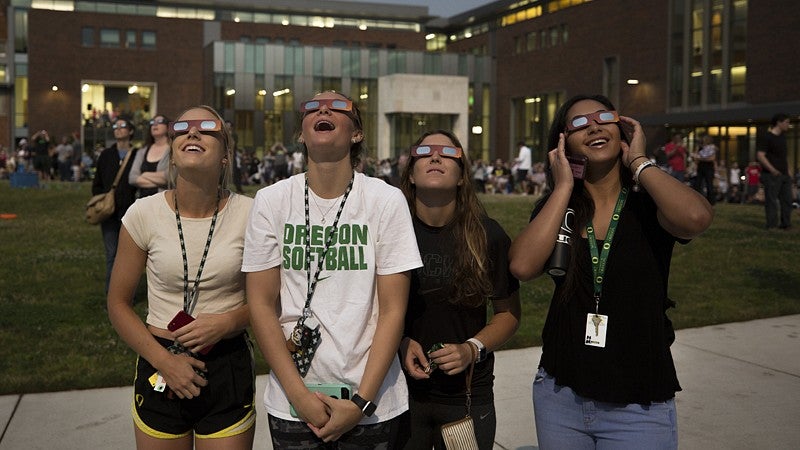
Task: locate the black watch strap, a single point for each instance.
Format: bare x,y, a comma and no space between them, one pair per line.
367,407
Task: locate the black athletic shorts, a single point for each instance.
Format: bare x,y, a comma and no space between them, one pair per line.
223,408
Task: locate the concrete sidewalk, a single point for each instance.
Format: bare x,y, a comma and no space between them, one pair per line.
741,386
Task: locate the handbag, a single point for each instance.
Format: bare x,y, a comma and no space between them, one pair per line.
460,434
101,206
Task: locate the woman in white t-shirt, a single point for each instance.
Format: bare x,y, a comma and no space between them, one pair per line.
347,306
194,377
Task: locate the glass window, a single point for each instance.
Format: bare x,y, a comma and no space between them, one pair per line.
530,41
130,39
109,37
21,31
87,37
148,39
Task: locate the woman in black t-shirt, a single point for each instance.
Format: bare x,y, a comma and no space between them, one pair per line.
465,257
606,376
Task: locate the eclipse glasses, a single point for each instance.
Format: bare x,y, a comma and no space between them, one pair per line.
424,151
203,125
584,120
332,103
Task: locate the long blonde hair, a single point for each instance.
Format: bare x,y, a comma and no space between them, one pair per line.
471,282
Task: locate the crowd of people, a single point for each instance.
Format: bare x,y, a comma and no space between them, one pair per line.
368,285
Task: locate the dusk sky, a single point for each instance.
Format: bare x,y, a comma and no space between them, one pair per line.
442,8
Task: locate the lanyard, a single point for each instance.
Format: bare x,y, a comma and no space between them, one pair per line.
313,283
190,301
599,261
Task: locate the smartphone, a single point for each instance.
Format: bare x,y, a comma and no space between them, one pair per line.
341,391
578,166
179,321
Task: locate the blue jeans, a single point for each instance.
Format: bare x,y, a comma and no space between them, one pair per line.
110,229
565,420
777,193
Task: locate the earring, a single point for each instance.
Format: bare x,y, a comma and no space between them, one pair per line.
301,140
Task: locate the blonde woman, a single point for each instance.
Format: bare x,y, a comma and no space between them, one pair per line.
194,379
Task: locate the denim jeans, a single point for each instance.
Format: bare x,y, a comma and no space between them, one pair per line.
565,420
110,229
777,193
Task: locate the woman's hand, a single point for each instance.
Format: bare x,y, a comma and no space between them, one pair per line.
559,166
636,149
413,359
453,358
312,410
179,373
205,330
344,415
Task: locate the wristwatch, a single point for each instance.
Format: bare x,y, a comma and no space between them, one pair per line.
367,407
481,349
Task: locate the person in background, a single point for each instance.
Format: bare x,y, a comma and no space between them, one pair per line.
466,268
676,157
524,165
107,166
64,159
149,170
706,159
39,153
195,383
327,256
772,154
753,174
606,339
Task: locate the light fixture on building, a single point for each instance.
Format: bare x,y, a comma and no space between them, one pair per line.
236,19
85,88
285,21
477,129
54,88
362,26
533,100
230,92
262,92
633,81
133,89
281,92
363,96
429,36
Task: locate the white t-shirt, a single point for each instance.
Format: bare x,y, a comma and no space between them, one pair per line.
151,223
524,158
375,237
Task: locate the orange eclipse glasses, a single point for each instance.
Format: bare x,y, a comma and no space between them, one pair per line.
335,104
584,120
448,151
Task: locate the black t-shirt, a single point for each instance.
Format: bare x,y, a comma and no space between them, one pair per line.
431,318
636,364
775,150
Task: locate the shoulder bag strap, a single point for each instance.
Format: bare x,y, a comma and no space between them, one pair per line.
121,169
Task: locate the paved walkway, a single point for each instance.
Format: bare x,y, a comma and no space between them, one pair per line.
741,390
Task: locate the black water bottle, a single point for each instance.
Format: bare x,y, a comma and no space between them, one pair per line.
559,260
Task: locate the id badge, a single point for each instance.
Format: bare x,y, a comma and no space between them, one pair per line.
596,327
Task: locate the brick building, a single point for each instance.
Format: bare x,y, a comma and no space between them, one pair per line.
721,67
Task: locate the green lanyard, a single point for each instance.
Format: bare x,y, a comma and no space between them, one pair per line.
599,261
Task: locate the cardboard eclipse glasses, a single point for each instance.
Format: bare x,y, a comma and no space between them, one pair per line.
336,104
203,125
424,151
584,120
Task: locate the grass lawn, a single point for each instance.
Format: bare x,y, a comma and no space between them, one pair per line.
56,335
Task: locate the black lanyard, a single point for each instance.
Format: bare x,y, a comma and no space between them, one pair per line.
599,261
313,283
190,301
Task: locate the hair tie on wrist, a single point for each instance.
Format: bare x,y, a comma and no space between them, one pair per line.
634,160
